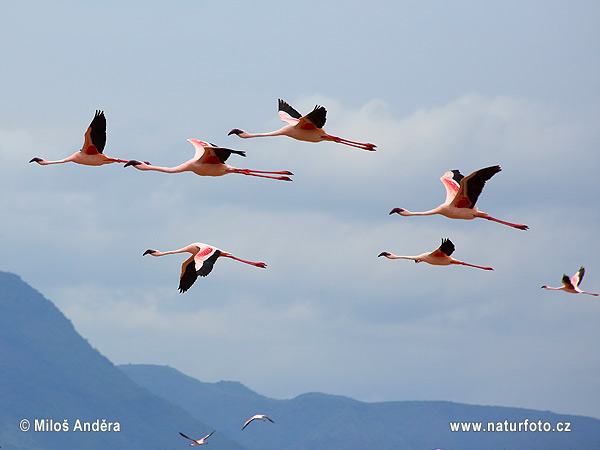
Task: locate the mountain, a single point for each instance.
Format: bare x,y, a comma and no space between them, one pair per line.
321,421
51,375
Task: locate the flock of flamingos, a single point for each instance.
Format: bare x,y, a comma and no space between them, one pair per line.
462,193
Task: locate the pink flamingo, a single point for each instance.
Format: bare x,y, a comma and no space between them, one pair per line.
199,441
571,285
461,194
307,128
209,160
257,417
439,257
93,146
200,263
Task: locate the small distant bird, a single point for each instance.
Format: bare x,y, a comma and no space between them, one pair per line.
200,263
439,257
307,128
571,285
461,195
257,417
197,442
209,160
93,146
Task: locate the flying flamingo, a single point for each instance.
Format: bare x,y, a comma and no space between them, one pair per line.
197,442
307,128
439,257
93,146
461,194
200,263
257,417
571,285
209,161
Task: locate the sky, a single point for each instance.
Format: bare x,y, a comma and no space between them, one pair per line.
435,85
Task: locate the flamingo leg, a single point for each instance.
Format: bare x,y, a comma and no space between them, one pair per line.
471,265
257,173
252,263
370,147
514,225
282,172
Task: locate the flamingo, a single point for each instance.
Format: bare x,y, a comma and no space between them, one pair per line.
93,146
209,160
198,442
461,195
307,128
439,257
571,285
257,417
200,263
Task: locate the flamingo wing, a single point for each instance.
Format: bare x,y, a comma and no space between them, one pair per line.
188,275
187,437
247,422
205,260
576,279
567,282
95,135
451,180
207,436
207,153
314,119
472,185
288,114
447,248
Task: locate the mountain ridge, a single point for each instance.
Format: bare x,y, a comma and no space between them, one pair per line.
53,379
319,420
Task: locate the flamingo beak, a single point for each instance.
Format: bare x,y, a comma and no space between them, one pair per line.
235,131
132,162
149,252
36,159
396,211
384,254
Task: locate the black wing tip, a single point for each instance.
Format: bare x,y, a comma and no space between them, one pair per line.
286,107
447,246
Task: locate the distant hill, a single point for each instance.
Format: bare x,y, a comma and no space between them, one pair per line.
50,372
320,421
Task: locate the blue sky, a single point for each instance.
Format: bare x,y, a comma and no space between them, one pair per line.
436,85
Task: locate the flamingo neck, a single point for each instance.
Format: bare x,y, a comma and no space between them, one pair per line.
176,169
412,258
431,212
270,133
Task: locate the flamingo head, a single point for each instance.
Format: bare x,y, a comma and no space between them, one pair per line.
132,162
402,212
237,131
37,160
386,254
149,252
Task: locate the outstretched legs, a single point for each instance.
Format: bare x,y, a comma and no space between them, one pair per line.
259,173
514,225
262,265
339,140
